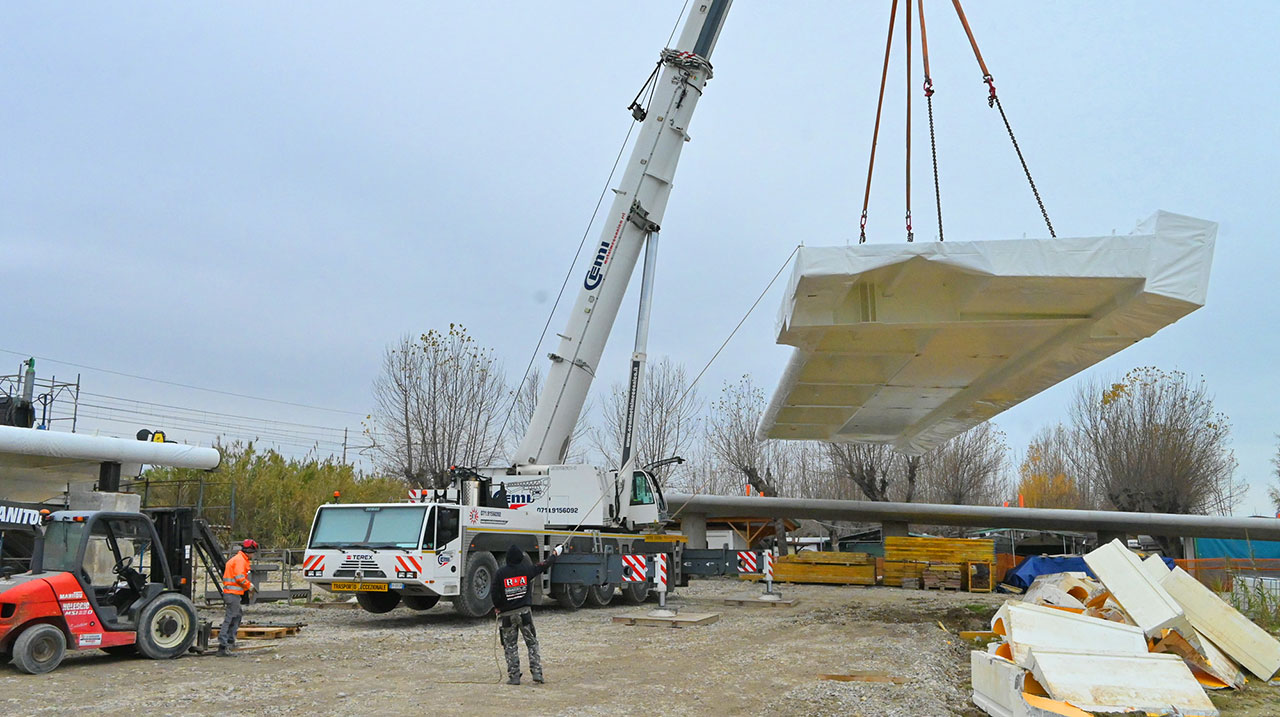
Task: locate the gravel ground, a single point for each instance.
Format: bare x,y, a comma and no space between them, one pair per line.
752,661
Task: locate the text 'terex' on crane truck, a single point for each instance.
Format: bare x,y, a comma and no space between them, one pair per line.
450,544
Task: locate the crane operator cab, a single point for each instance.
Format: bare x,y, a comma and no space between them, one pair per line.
646,506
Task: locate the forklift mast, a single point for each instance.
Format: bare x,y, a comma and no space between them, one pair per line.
182,537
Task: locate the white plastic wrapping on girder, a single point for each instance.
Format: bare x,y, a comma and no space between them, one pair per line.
60,448
912,344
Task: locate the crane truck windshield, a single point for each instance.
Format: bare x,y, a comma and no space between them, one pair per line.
365,526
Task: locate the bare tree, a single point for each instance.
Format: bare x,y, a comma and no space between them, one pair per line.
706,474
969,469
731,435
1274,491
1152,442
667,418
396,392
878,471
437,405
1048,475
525,402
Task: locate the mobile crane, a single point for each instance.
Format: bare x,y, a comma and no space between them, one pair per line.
451,544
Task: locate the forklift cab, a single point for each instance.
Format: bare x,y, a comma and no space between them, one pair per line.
116,558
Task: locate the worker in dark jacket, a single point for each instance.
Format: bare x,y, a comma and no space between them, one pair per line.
512,597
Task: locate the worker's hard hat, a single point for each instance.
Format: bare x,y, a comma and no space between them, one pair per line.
249,545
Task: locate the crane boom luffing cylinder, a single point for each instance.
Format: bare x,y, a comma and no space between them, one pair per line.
638,206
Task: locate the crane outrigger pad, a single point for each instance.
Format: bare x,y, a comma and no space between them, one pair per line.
912,344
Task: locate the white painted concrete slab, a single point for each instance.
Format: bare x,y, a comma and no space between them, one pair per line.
1154,567
1152,683
1142,598
1246,643
1047,593
1028,627
1000,690
996,683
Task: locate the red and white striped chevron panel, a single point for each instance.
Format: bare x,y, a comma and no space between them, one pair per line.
746,561
768,565
660,572
408,563
313,566
634,568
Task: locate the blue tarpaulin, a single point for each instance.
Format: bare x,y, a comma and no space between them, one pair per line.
1021,576
1237,549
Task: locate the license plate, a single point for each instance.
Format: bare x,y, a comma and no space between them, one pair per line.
359,587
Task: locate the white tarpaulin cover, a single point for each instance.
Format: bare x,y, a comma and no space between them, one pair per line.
912,344
36,465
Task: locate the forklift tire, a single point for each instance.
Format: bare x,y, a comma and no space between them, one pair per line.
167,627
420,602
599,595
570,597
39,649
378,603
634,593
474,594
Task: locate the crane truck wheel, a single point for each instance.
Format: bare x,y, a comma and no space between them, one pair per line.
570,597
420,602
167,627
39,649
474,593
634,593
378,603
599,595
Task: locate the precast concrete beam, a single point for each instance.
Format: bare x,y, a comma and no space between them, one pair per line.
979,516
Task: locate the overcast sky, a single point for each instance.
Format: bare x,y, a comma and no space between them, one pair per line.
257,198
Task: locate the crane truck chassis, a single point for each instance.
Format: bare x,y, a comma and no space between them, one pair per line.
416,553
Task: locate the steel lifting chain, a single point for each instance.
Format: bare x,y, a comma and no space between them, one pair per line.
928,96
994,101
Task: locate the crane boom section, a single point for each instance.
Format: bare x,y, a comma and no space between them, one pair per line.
637,209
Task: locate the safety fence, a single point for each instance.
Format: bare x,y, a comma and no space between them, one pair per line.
1221,574
272,571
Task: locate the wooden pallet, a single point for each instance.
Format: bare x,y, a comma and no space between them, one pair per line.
687,619
261,632
941,576
898,571
756,602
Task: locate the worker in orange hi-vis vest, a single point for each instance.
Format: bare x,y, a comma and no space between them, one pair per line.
236,587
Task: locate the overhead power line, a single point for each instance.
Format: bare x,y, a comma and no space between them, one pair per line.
180,385
201,413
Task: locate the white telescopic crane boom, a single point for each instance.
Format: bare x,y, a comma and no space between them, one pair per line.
638,205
